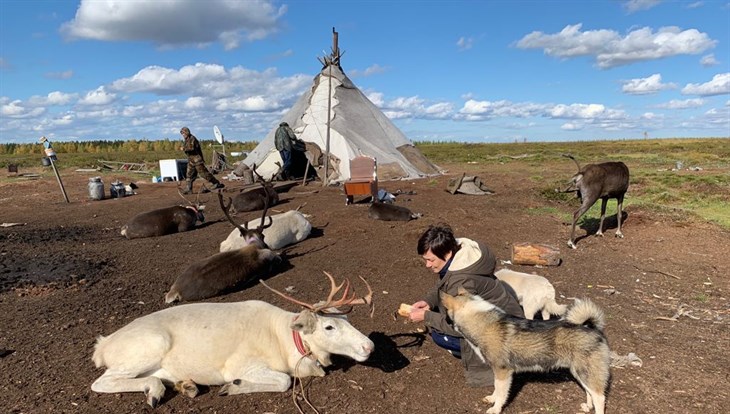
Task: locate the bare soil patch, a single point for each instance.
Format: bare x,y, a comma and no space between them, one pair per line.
67,276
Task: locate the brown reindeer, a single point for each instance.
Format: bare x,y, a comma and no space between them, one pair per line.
256,199
167,220
594,181
225,270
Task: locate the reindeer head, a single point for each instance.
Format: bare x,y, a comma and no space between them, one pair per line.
325,330
250,236
196,206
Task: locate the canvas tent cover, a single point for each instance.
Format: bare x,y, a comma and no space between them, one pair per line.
357,127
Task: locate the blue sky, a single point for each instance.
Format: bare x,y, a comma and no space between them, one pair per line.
475,71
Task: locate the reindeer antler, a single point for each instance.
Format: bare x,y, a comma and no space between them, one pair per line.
225,209
347,298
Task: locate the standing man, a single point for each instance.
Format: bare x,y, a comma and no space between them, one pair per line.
460,263
196,163
284,140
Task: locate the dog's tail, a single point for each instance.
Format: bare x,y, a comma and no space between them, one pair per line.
585,312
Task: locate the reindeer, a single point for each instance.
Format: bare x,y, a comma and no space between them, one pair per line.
594,181
166,220
253,200
225,270
390,212
249,346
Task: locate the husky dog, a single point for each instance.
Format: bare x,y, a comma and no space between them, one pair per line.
509,344
534,292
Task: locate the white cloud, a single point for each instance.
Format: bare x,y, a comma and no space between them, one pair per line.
53,98
68,74
175,23
465,43
98,97
584,111
646,86
195,102
570,126
371,70
696,5
709,60
633,6
611,49
15,109
682,104
719,85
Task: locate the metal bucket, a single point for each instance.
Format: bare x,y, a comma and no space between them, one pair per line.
96,188
46,161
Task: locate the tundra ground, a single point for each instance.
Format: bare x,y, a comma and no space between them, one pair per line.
67,276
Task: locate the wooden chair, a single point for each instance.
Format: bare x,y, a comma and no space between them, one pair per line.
363,178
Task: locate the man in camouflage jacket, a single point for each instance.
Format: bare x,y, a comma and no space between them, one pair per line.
196,163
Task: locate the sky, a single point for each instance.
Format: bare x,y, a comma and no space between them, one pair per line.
465,71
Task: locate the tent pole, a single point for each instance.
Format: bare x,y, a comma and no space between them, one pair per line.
329,109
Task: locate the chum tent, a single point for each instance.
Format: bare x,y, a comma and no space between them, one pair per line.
356,127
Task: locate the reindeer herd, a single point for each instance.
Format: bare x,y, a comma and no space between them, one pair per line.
253,346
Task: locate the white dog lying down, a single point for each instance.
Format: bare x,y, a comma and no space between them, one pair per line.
534,292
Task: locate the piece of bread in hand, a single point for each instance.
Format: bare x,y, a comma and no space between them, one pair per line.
404,310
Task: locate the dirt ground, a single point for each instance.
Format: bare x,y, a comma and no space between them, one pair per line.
68,276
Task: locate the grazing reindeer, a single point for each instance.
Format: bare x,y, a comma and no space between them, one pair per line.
594,181
224,270
256,199
245,347
164,221
390,212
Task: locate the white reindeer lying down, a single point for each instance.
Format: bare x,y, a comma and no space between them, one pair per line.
285,229
534,292
246,347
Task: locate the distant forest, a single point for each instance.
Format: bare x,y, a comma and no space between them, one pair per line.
102,147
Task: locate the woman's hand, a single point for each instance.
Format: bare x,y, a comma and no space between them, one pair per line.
418,311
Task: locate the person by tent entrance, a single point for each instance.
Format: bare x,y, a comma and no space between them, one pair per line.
292,151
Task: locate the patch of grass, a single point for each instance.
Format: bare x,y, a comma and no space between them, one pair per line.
702,297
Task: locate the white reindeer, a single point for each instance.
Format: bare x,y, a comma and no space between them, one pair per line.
285,229
246,347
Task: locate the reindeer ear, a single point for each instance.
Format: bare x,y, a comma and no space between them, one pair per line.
305,323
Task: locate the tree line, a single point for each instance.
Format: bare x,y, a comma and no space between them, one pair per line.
103,146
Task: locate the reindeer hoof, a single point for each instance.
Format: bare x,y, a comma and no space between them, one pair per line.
599,234
619,235
571,244
187,388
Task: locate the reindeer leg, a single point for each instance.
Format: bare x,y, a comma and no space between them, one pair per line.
587,203
604,201
619,213
257,379
113,381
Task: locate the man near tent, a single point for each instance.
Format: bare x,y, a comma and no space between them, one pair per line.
196,163
285,140
470,265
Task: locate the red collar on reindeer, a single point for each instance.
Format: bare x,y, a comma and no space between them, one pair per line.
298,342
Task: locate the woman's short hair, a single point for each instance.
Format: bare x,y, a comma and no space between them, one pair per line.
439,238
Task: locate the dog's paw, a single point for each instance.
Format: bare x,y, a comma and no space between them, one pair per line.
489,399
585,407
494,410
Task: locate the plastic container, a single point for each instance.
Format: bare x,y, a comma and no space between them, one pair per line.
117,190
96,188
46,161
